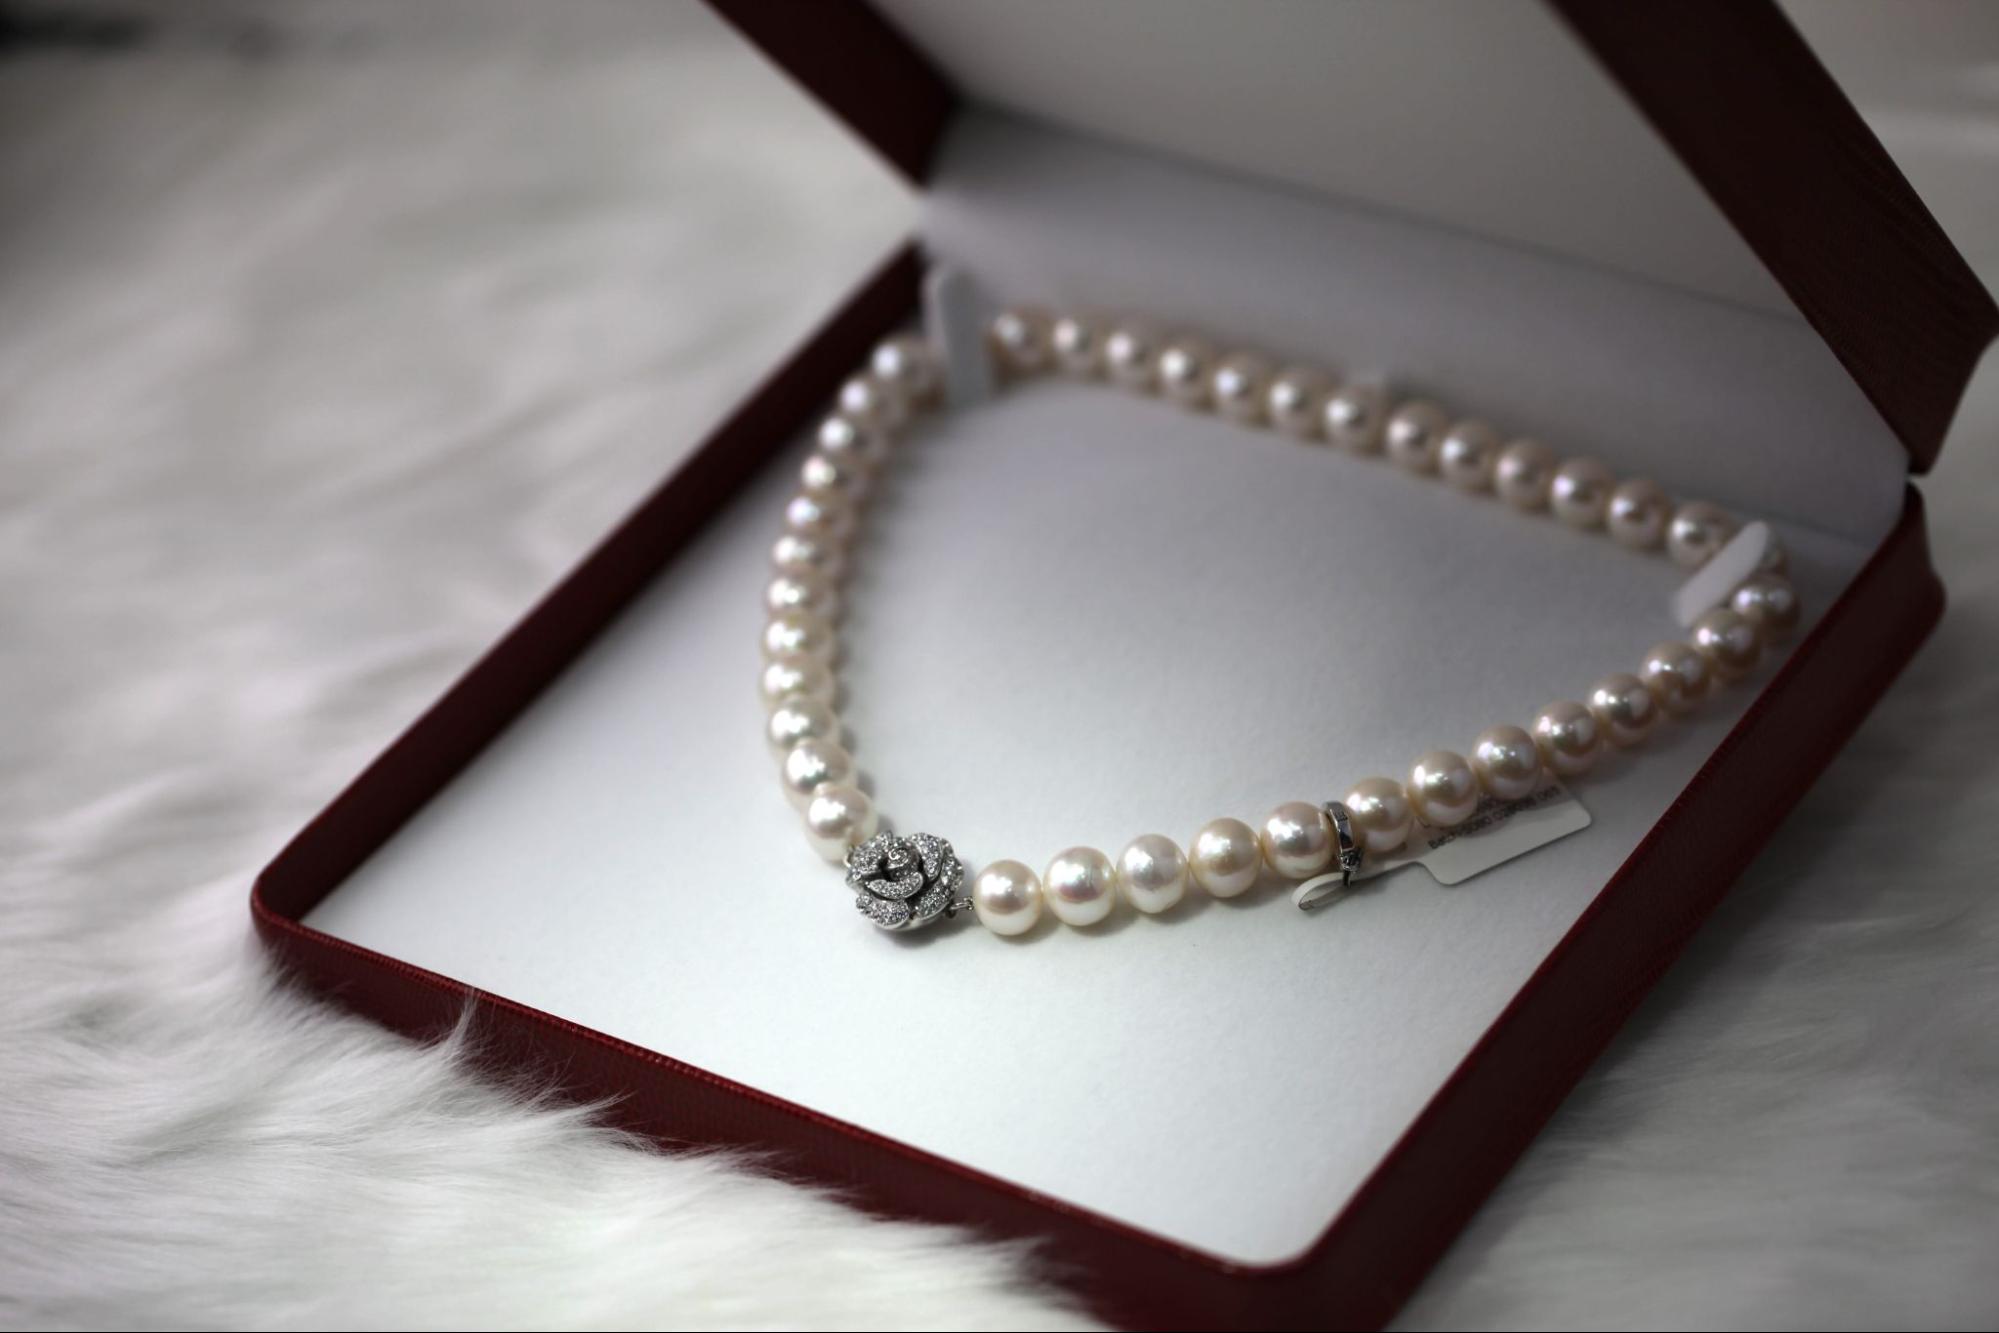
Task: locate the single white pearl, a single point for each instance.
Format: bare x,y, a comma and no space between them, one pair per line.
1414,431
1467,455
819,473
798,720
1697,531
1239,385
1580,492
1225,857
1184,364
1730,642
1295,399
1078,343
800,634
1297,839
1507,762
845,440
1020,342
837,817
1131,355
1081,886
1624,708
908,364
1768,602
813,593
1379,812
1523,474
1568,737
810,765
1677,675
795,553
792,677
874,402
1442,789
819,514
1152,871
1637,514
1353,417
1007,898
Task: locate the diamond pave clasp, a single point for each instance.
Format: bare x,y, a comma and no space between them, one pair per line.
904,883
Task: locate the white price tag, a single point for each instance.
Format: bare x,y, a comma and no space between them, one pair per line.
1497,832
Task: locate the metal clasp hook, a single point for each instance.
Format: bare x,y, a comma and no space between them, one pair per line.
1323,890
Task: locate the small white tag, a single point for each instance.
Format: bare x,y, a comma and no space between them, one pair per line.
955,311
1497,832
1722,574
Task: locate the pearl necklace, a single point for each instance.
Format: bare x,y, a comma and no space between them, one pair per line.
901,883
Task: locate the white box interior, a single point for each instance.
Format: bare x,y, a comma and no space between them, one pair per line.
1079,617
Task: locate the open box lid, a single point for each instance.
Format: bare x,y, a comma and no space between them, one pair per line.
1745,174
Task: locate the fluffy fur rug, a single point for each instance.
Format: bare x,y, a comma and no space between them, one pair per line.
333,334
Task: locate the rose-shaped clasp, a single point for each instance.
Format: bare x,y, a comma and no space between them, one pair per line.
903,883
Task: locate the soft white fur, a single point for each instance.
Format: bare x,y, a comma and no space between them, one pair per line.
333,334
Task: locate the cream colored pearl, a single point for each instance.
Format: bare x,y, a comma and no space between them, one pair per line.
837,817
819,514
1414,431
874,402
810,765
1354,416
1081,886
1020,341
1131,355
1507,762
813,593
1568,737
1225,857
1295,399
1697,531
800,634
1624,707
798,720
1467,455
1379,811
1677,675
1637,514
1524,473
1768,602
795,553
1297,839
1007,898
1078,343
1152,871
791,677
847,480
1183,372
1580,492
1442,789
1239,386
1730,642
908,364
845,440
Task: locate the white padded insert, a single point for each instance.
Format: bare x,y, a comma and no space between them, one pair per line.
1487,117
1078,617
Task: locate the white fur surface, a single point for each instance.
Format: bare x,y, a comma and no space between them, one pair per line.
334,334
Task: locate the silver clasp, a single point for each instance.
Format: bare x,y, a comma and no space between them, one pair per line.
1322,890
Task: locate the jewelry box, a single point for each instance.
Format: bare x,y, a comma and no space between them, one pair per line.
1657,235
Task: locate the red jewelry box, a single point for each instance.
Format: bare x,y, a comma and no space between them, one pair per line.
1747,111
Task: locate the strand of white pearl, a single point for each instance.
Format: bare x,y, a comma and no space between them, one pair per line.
1226,857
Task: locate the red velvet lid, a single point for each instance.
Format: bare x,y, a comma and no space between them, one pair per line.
1728,85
